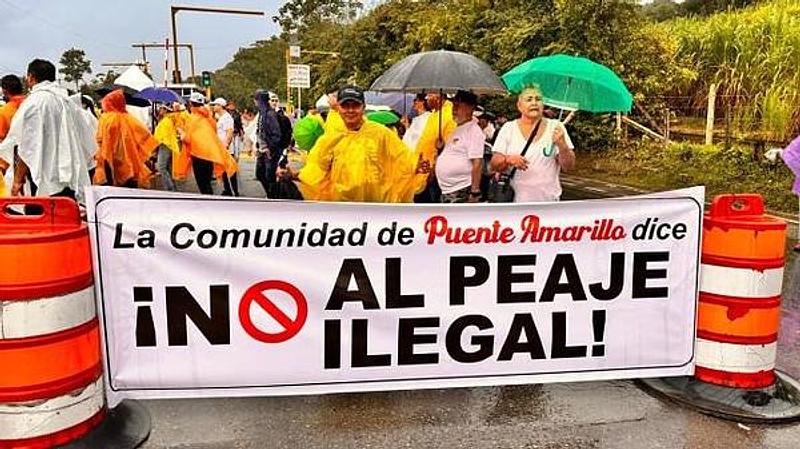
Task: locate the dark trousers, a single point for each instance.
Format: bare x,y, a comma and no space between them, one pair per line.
265,172
431,194
231,185
203,173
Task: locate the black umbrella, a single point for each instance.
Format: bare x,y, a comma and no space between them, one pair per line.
447,71
130,94
442,70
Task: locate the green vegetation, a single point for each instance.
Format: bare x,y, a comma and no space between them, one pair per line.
753,55
652,166
503,33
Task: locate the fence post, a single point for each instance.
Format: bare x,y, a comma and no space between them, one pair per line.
712,101
727,126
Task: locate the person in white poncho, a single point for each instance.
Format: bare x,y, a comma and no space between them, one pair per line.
52,139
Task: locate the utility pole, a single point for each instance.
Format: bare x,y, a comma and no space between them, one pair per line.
174,9
144,45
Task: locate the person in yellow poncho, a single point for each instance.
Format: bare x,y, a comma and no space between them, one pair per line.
166,133
334,122
366,162
431,141
202,150
12,91
123,146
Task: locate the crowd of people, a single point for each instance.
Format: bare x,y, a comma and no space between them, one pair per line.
54,144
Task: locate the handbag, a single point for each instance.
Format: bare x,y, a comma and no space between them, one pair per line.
500,190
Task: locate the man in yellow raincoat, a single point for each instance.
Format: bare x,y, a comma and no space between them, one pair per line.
437,130
334,122
202,150
166,133
123,146
365,162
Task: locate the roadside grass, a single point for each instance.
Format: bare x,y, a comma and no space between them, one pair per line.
652,166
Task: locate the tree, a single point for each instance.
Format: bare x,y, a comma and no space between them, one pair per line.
707,7
301,15
261,66
99,80
661,10
74,65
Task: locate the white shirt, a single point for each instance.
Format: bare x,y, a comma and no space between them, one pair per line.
540,181
454,165
52,136
224,123
415,129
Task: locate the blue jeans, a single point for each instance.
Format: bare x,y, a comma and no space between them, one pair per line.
164,167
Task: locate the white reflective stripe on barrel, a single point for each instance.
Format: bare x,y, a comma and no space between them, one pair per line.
741,282
734,358
20,319
23,420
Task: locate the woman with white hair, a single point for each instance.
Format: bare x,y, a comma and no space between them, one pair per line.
536,177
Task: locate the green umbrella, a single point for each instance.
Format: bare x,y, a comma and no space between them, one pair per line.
383,117
306,132
570,82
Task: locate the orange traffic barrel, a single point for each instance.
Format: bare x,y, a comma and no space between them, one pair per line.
740,286
51,390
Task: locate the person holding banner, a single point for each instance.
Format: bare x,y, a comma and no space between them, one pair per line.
365,162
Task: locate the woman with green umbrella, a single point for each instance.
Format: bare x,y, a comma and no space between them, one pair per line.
546,146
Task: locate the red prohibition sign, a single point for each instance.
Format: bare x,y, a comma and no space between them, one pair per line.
256,293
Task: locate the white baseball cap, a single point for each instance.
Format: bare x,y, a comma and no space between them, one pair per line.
219,101
197,97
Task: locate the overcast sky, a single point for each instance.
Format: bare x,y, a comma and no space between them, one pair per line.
105,30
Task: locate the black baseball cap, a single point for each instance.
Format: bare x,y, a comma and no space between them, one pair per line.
351,93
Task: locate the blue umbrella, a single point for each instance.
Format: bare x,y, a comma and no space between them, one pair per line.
160,94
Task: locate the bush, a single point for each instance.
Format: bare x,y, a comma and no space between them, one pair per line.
651,165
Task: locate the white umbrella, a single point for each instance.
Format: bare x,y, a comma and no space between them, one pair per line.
134,78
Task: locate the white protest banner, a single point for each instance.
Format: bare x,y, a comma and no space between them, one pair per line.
212,296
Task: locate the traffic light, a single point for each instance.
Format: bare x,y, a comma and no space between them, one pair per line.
206,79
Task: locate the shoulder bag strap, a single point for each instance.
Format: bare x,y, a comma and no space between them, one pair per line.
527,144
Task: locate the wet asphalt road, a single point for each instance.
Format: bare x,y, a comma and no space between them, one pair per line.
554,416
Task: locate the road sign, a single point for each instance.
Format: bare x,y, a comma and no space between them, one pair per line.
299,75
256,294
294,51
